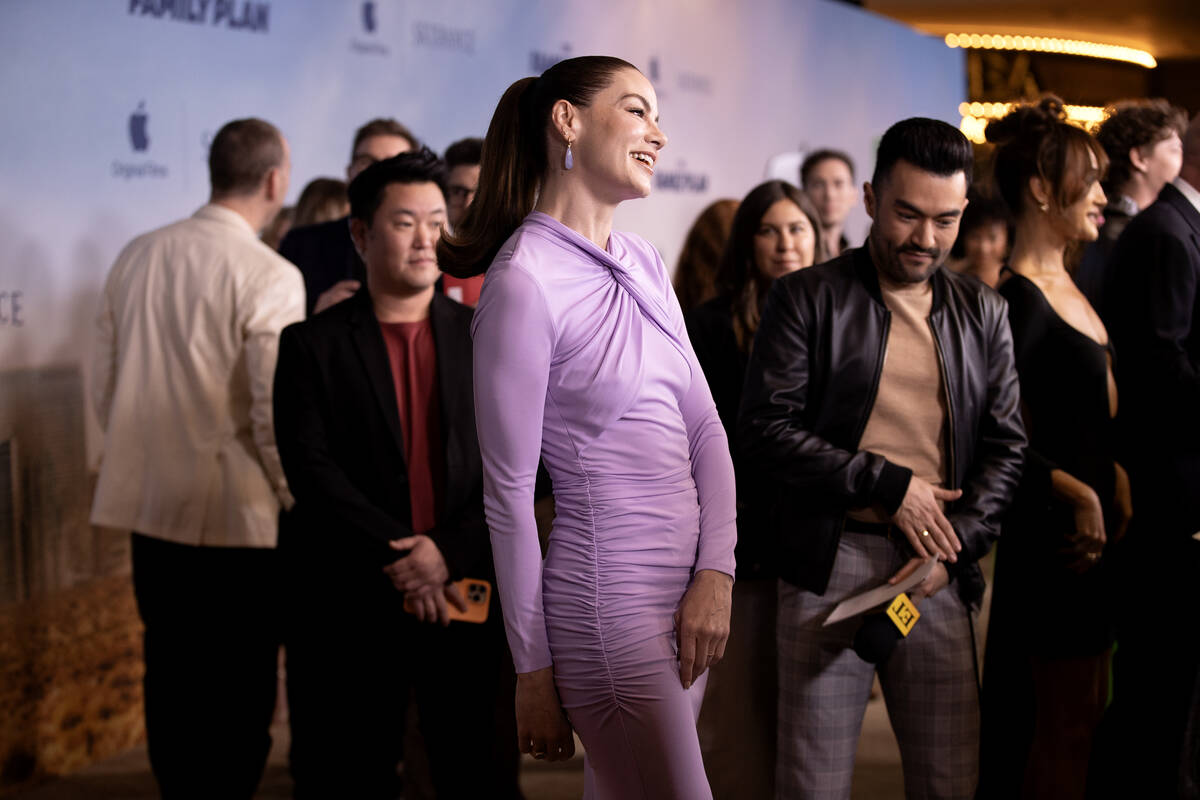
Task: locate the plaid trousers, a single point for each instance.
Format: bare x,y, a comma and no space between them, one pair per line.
928,683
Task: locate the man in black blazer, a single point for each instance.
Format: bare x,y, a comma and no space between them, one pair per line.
375,421
1154,314
324,252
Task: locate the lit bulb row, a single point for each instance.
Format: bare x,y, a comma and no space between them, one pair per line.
975,117
1087,114
1049,44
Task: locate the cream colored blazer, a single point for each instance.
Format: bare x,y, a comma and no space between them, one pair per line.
184,360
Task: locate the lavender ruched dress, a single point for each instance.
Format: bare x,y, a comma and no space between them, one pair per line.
582,358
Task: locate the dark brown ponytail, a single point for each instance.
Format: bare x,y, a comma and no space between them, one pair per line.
514,159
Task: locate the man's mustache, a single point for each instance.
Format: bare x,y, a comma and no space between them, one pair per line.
932,252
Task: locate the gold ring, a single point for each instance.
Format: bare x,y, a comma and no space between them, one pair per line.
925,532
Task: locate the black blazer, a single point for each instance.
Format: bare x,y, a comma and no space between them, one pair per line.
325,255
1154,313
338,431
810,387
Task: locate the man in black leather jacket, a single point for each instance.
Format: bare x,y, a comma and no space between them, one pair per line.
881,394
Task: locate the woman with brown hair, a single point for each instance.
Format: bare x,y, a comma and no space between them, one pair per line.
775,231
1050,635
582,360
322,200
696,270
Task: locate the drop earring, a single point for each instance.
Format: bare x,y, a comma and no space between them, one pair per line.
569,160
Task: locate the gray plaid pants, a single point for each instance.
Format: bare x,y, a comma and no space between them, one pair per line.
928,683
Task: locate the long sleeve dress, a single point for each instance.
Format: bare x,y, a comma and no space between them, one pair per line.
582,358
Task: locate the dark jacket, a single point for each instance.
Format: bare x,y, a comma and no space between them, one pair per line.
810,387
338,431
710,327
1154,315
325,254
1093,276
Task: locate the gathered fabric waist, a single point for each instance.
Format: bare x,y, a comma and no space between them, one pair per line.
618,529
582,488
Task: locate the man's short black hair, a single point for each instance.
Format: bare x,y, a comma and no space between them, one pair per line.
928,144
820,157
413,166
468,152
241,155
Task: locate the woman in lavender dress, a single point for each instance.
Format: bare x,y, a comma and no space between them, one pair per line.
582,360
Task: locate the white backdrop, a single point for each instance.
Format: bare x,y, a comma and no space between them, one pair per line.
80,82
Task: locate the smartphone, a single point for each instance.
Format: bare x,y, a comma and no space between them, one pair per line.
477,593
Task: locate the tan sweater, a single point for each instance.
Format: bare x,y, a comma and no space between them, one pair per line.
907,425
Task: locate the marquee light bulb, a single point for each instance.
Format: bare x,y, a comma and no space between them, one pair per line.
1051,44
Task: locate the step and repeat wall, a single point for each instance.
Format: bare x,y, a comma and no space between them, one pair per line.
109,107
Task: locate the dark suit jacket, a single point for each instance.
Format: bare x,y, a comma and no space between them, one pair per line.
338,431
1154,310
1093,276
325,255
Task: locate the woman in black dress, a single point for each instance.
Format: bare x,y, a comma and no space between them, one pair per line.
774,232
1050,635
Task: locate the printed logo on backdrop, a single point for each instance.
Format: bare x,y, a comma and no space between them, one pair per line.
370,23
139,137
689,82
245,15
138,126
681,180
653,71
11,310
444,37
540,60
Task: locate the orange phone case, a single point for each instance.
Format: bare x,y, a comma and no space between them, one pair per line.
477,593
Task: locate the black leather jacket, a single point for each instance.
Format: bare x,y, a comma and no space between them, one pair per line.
810,387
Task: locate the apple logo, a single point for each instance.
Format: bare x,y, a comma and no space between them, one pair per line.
137,128
368,14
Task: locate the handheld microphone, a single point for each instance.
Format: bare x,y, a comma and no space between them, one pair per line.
879,634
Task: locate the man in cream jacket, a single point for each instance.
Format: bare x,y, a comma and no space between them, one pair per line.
184,361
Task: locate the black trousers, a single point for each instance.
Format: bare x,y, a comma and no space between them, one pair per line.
211,616
354,657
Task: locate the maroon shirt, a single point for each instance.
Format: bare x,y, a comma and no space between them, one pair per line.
413,359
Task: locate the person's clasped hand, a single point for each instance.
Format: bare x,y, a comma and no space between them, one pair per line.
422,575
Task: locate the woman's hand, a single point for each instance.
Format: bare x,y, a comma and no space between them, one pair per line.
542,726
1122,502
702,623
1087,542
